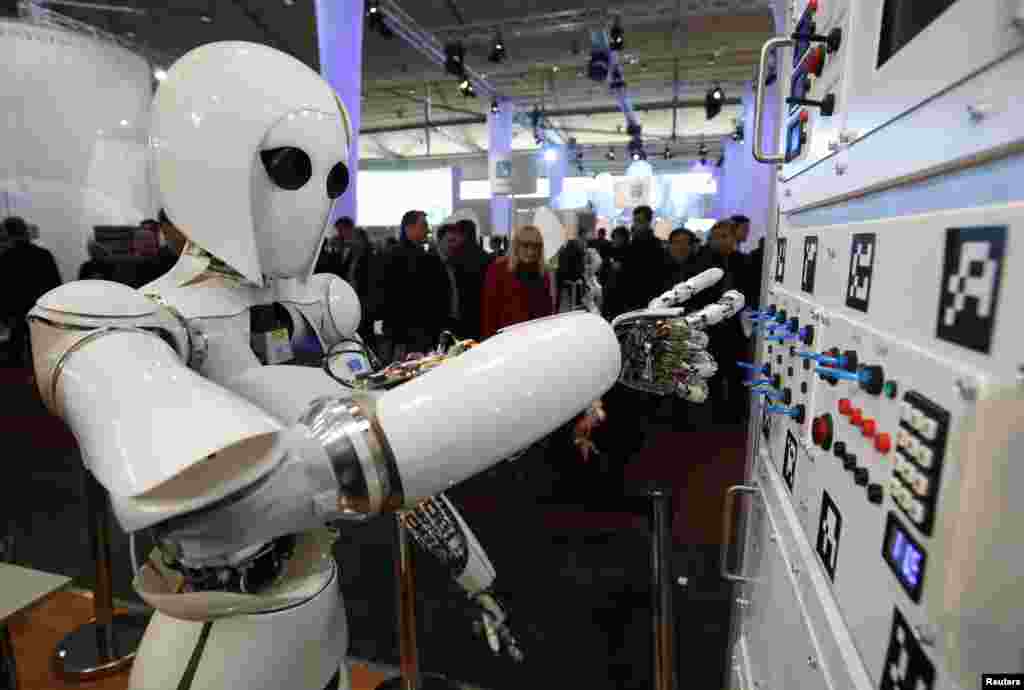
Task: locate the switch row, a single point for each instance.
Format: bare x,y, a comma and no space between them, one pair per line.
919,421
918,481
914,509
915,449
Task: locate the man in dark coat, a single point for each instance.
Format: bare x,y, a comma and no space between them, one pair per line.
468,262
27,272
646,267
416,300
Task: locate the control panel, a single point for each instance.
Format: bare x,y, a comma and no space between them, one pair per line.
877,343
813,110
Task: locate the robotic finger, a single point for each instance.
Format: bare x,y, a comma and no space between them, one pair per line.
684,291
730,304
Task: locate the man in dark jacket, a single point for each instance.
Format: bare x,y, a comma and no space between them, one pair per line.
27,272
729,398
416,298
469,263
646,267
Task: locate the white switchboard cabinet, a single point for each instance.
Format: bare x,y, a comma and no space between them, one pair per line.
883,544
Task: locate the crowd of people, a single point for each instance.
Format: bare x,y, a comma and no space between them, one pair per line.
417,287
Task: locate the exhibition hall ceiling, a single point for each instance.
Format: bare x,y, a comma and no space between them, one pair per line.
674,50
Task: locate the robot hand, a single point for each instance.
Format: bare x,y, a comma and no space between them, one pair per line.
493,625
436,525
664,351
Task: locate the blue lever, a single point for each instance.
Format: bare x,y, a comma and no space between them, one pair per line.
771,394
753,367
859,377
839,361
781,338
782,409
758,382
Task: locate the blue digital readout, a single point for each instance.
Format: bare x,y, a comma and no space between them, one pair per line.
905,558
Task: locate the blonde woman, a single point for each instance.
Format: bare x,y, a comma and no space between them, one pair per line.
517,287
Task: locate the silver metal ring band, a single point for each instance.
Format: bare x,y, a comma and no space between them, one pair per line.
95,335
362,464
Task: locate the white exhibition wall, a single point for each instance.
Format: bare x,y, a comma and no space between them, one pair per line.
74,146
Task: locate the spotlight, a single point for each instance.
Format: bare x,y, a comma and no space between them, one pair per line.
497,50
466,89
494,107
610,155
617,36
375,19
713,102
453,59
159,74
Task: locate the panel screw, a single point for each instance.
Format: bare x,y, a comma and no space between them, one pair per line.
682,581
796,570
967,390
812,662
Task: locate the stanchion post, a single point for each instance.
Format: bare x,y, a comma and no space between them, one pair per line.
408,649
663,618
106,644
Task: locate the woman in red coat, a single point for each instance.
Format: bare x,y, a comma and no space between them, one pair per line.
517,288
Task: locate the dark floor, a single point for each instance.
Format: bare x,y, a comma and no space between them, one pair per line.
575,575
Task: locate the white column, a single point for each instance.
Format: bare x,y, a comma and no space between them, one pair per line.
499,131
339,25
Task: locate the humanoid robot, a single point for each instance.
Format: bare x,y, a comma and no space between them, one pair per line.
241,470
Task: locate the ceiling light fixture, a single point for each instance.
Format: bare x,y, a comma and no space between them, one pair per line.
497,50
494,107
617,36
713,102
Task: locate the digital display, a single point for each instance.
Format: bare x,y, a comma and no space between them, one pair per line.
794,140
903,20
905,557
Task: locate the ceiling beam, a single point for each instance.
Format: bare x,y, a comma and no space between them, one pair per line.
461,139
564,112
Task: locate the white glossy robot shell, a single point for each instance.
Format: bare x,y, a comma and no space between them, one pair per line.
209,118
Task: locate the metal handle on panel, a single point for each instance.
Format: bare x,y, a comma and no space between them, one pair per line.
766,50
727,529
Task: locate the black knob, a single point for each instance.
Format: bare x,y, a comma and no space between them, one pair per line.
776,380
850,462
780,316
800,416
860,476
832,41
840,450
803,387
873,378
851,359
875,493
794,325
808,338
827,105
790,372
787,397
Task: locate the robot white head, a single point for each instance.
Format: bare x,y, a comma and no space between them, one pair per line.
250,151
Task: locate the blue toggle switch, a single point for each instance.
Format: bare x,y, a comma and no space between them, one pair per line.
825,360
781,338
753,367
772,394
758,382
859,377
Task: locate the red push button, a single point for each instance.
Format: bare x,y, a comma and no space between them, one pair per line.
822,430
857,417
869,427
883,443
816,61
845,407
812,5
804,116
